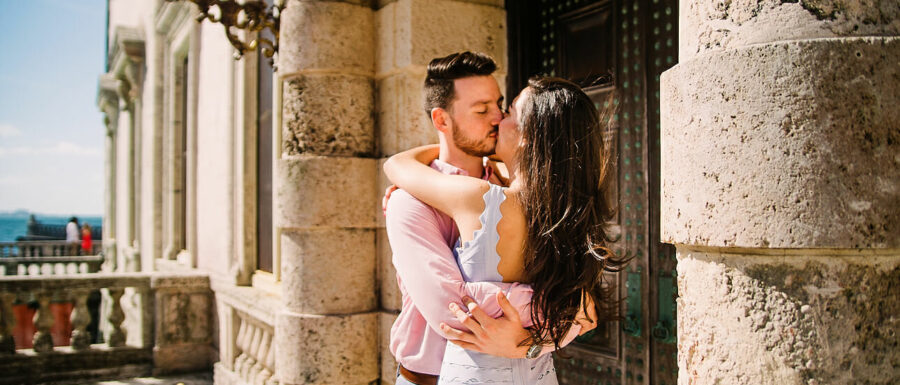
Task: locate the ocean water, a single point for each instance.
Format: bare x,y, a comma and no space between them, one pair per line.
14,225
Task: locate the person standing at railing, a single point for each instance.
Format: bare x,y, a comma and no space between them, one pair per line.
72,236
86,241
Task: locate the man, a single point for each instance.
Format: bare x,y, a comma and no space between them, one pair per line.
464,103
73,236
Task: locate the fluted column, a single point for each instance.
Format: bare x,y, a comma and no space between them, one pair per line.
324,178
108,102
781,191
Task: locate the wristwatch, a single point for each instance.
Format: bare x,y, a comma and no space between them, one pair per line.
533,351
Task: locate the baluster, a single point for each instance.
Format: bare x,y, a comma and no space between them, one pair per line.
257,373
7,321
270,362
251,359
43,321
116,316
81,317
239,360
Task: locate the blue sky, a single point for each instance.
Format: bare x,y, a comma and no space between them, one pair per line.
51,131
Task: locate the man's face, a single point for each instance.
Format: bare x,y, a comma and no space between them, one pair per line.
475,114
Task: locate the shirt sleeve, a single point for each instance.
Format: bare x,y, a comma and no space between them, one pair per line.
428,269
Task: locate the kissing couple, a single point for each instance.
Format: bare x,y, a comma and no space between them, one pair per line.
502,258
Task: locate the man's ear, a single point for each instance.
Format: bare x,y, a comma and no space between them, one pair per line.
441,119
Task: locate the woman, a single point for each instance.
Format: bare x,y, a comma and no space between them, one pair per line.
548,228
87,243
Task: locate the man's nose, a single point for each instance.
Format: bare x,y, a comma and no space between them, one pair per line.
496,116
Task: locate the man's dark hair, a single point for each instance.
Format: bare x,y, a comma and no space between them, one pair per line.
442,71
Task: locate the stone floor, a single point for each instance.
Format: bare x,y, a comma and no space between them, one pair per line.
183,379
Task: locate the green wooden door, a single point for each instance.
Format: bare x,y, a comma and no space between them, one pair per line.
616,48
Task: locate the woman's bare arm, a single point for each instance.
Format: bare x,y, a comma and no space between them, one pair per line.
453,195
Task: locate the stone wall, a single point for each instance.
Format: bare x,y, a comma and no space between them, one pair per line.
781,191
352,96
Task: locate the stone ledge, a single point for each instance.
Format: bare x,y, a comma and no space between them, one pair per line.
799,146
65,364
261,304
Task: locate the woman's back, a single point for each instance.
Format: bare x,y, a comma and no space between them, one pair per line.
499,218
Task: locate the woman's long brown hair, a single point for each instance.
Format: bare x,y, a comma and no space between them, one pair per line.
562,164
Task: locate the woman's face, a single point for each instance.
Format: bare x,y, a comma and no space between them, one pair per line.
509,134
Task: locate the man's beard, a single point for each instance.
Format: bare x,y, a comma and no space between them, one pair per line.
472,146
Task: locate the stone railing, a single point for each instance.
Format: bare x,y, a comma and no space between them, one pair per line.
150,323
247,344
255,362
46,249
50,265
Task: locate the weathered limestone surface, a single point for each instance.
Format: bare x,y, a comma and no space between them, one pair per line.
388,363
313,349
781,190
328,114
326,35
784,145
305,182
788,319
402,120
412,32
389,293
334,268
714,25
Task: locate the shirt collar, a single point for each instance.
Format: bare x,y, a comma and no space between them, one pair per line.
448,168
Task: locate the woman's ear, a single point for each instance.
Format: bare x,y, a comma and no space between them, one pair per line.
441,120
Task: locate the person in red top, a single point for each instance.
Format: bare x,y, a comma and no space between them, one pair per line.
86,242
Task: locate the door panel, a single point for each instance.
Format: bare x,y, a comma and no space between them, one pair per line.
615,50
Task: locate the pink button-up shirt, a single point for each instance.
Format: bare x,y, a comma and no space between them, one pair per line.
421,239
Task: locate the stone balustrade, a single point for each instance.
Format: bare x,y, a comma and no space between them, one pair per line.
139,312
50,265
46,249
255,362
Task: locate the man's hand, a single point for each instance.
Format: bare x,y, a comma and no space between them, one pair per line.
499,337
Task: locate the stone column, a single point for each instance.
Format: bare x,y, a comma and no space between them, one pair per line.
324,180
108,102
409,33
781,191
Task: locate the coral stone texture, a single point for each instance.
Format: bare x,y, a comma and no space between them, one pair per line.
336,184
324,257
784,145
314,349
316,35
714,25
788,319
329,114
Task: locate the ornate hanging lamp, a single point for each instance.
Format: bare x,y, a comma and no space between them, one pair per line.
254,16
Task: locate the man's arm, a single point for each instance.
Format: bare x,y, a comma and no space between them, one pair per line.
428,270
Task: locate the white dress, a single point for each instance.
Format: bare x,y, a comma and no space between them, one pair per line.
478,261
